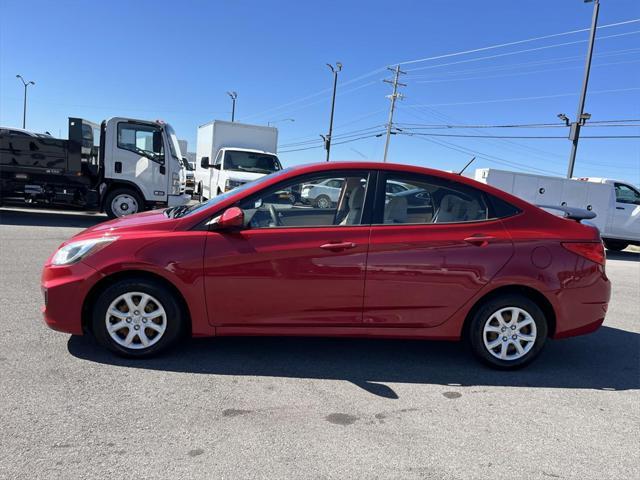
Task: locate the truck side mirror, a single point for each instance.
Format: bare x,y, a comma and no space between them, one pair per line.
216,166
204,162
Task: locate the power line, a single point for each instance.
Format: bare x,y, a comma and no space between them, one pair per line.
514,99
517,42
556,45
334,143
529,137
601,123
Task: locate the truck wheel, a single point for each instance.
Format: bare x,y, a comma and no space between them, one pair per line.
121,202
615,245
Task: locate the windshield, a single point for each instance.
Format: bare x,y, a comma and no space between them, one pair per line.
222,197
174,146
251,162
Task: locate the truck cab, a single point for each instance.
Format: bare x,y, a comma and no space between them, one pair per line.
143,166
623,226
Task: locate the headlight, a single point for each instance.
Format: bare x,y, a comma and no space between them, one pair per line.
175,183
74,251
231,184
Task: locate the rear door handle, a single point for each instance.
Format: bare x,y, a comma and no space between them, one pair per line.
479,240
338,246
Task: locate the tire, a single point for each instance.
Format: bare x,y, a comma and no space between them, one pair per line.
615,245
322,201
487,329
163,311
123,201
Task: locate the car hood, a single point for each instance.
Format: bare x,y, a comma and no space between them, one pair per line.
243,176
153,220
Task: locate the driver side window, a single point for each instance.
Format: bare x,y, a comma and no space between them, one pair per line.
141,139
315,201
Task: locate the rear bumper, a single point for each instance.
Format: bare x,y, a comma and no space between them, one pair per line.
64,290
581,310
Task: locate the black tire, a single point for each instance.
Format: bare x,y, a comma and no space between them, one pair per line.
615,245
483,315
175,318
320,199
113,194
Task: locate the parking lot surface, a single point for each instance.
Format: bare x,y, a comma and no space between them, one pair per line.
301,407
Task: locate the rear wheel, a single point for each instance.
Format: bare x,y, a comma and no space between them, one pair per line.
123,201
508,332
615,245
137,318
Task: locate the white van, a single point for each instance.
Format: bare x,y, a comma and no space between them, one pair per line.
230,154
615,203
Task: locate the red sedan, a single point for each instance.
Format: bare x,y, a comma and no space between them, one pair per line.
443,257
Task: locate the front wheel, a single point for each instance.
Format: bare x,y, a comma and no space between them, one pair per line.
508,332
615,245
322,201
123,201
137,318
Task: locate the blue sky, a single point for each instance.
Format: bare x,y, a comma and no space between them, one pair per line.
176,60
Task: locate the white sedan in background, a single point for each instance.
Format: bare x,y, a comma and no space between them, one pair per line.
327,193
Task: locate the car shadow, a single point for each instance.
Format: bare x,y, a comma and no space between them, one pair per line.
55,218
624,255
606,360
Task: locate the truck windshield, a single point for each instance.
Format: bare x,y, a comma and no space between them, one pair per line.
174,146
251,162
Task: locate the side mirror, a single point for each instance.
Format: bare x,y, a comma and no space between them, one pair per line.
157,141
230,219
204,162
216,166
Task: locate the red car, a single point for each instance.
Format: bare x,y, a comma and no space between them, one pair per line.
462,260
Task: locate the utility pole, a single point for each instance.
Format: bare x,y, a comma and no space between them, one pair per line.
581,117
395,95
233,96
24,106
327,139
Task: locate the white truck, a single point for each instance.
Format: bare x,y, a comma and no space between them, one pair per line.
230,154
615,203
121,166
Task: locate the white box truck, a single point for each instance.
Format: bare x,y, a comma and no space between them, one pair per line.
615,203
230,154
121,166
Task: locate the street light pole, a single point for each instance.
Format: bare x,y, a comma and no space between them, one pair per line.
24,106
327,139
581,117
233,96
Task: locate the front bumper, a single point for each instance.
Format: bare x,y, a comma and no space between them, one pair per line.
64,289
175,200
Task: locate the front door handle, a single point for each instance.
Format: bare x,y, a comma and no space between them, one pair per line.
479,240
619,208
336,246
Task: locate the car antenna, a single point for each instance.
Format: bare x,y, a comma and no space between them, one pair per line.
465,167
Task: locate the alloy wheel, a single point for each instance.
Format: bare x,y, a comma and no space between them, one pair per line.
136,320
509,333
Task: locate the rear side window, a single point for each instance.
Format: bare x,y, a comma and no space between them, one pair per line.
500,209
425,199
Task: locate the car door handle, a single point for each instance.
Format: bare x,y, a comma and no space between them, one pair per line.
619,208
336,246
479,240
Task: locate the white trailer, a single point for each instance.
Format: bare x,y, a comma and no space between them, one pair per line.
615,203
230,154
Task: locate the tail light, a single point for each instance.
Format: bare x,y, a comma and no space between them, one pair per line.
593,251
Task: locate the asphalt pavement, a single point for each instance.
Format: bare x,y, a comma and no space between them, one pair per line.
235,408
